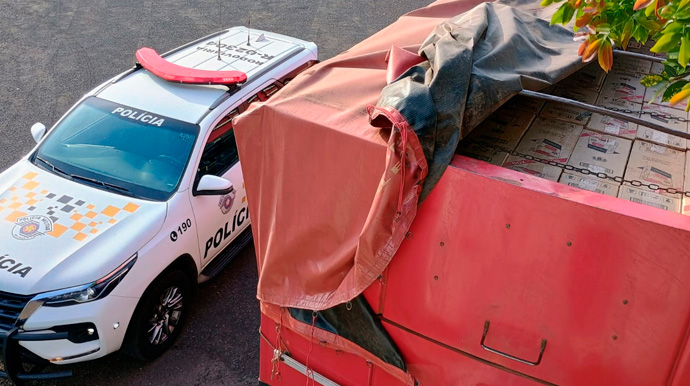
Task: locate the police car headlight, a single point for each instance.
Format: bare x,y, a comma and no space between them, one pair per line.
89,292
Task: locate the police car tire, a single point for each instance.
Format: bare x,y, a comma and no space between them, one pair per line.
137,342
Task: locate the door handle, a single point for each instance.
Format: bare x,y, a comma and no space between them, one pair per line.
506,355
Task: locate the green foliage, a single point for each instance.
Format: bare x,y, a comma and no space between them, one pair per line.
615,23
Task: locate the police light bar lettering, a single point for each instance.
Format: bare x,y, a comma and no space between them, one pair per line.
154,63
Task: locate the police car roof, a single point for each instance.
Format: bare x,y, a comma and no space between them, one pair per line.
189,102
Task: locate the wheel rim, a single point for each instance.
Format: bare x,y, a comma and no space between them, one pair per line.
166,316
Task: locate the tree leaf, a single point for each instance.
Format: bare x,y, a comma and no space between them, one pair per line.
678,97
651,80
683,4
640,33
627,33
666,42
673,27
557,17
606,55
671,70
568,13
684,53
591,50
650,25
639,4
673,89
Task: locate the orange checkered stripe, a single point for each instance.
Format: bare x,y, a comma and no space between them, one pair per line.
71,217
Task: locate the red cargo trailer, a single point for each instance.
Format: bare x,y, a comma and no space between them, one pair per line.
503,278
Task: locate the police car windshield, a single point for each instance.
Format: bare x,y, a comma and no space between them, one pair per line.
139,153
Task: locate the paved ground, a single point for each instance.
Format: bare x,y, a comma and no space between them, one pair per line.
52,52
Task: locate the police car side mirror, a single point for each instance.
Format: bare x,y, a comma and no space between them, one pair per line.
210,185
38,130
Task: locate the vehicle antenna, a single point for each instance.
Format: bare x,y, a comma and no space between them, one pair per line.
219,48
249,26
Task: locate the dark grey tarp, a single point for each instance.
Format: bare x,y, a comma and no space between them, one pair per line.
476,61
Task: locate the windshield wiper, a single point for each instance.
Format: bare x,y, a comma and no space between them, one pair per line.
106,185
53,167
99,182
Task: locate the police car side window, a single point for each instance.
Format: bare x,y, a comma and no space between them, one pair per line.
220,152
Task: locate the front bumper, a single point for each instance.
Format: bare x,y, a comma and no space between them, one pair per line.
64,335
10,355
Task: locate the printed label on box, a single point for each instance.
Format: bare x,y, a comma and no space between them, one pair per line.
667,117
567,113
589,183
503,128
483,153
533,168
655,164
601,153
590,77
649,198
624,86
550,139
610,125
627,65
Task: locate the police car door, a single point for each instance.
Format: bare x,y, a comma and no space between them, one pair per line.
220,218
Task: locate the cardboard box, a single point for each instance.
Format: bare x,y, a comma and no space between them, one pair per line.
533,168
590,77
624,86
657,136
625,64
592,184
649,198
547,139
685,207
657,68
601,153
636,46
521,103
686,179
477,151
550,139
655,164
567,113
609,125
504,128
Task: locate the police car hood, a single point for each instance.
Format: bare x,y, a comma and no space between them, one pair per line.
55,233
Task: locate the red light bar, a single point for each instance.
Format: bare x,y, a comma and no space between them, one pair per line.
150,60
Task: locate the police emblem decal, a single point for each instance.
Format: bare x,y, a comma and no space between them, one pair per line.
29,227
225,202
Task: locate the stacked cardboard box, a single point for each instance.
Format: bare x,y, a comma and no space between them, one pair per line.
503,129
610,125
686,185
597,143
548,139
667,117
624,86
567,113
592,184
649,198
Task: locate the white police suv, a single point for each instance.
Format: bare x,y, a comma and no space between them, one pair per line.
133,197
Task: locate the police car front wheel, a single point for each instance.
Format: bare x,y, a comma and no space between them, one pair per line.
158,318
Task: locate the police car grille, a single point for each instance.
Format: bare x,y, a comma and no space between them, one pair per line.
11,306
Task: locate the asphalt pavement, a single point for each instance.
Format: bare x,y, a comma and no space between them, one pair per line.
52,52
